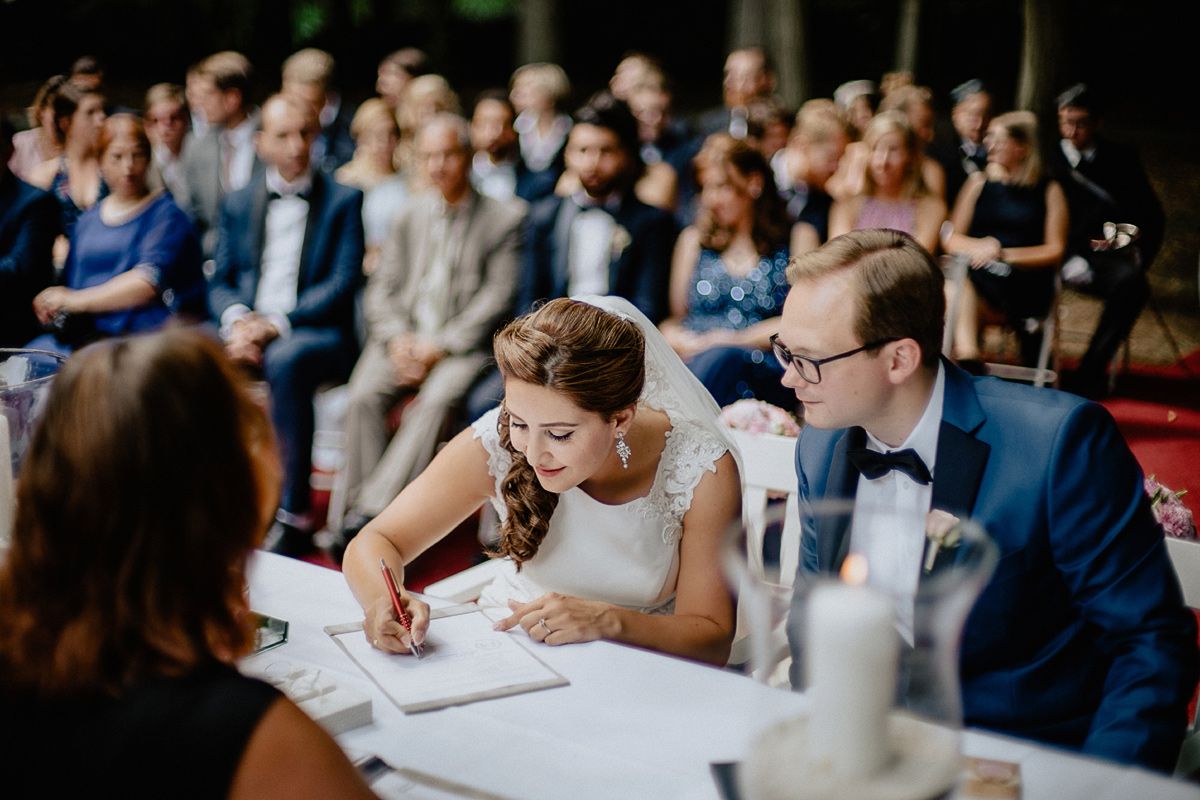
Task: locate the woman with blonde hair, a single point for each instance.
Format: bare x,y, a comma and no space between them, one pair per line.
373,170
894,193
1010,223
122,601
39,143
613,482
424,97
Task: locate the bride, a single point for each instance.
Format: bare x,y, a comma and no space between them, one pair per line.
611,477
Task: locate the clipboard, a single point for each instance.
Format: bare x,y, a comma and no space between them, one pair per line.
465,661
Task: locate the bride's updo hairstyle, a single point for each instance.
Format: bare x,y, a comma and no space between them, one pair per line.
593,357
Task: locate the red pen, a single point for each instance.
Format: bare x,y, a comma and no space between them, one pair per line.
394,593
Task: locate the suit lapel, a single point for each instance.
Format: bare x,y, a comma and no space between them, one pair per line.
258,225
961,458
316,211
833,535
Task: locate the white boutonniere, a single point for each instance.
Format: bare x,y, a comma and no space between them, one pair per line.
620,240
942,532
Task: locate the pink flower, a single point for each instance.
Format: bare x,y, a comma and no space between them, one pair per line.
756,416
1170,512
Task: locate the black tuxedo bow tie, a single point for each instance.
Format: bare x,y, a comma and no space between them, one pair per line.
872,464
271,195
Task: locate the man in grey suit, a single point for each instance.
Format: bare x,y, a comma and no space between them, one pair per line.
223,159
446,279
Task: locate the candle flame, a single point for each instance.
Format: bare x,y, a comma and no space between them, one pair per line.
854,569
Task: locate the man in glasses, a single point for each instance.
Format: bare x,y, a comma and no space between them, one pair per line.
1080,639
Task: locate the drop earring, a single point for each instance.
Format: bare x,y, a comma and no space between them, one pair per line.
623,451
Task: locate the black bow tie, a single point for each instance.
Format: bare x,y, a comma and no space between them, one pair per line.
272,195
872,464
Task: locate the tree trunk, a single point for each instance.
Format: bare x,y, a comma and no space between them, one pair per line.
537,37
907,35
748,24
790,51
1038,79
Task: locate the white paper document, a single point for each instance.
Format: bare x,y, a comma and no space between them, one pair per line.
464,661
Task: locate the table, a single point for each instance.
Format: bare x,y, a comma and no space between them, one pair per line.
632,724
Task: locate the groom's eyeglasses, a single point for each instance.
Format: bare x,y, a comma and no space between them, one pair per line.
810,368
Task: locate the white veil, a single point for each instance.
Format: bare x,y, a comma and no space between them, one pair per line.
670,386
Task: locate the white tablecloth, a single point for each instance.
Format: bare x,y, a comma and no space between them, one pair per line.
632,724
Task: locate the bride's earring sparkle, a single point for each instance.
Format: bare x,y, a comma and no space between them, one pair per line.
623,451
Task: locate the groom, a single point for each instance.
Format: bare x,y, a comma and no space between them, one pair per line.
1081,638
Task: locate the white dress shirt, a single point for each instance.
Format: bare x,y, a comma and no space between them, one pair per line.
283,243
240,144
1074,154
497,181
894,553
443,246
589,248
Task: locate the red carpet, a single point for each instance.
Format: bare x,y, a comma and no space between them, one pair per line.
1158,411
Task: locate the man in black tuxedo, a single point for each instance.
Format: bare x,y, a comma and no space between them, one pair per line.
600,239
288,264
29,222
1104,182
965,154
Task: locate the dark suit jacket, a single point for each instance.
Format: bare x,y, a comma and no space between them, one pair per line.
639,272
330,261
1117,170
1080,638
29,222
334,144
948,153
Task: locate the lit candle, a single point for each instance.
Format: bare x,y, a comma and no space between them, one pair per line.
7,505
851,656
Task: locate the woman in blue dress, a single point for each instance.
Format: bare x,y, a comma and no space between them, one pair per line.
134,260
729,276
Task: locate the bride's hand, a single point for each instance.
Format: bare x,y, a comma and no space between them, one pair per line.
560,619
385,632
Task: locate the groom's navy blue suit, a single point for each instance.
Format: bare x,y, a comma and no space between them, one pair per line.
1080,638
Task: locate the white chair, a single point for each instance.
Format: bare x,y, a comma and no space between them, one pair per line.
768,464
1185,557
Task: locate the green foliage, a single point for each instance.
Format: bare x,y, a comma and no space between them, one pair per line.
308,19
483,10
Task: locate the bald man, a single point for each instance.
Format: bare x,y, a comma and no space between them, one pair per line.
288,264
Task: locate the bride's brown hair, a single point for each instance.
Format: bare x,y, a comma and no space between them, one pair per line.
596,360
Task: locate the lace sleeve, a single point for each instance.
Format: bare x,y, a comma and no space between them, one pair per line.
499,459
691,451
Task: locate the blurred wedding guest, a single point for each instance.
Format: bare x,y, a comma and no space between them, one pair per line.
395,71
193,90
916,103
74,177
224,159
965,154
633,70
39,143
537,92
894,192
666,139
856,102
729,276
123,607
803,169
87,73
29,223
424,97
770,126
288,265
612,477
601,239
134,261
166,117
1010,222
1104,182
497,169
308,74
385,189
748,77
446,280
